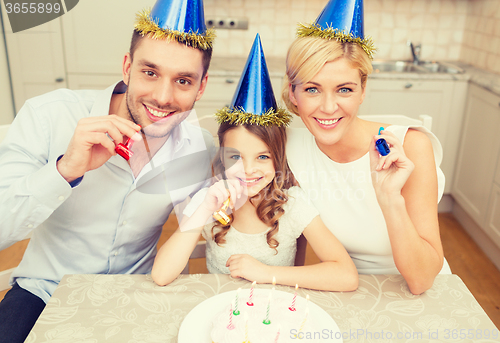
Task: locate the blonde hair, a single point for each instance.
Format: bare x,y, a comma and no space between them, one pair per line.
307,55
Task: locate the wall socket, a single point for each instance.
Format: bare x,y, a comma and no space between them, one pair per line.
227,23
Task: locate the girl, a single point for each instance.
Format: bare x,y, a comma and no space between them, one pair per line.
259,242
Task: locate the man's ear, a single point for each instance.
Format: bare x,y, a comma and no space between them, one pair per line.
203,85
127,63
291,95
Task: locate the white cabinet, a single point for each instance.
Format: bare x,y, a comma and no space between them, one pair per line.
477,182
97,35
442,99
36,60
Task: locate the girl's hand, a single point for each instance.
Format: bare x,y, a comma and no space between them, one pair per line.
246,267
220,191
389,173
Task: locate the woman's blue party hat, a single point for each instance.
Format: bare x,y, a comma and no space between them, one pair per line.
254,101
341,20
181,20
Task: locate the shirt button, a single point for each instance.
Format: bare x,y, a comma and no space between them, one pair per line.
30,226
124,222
61,198
116,253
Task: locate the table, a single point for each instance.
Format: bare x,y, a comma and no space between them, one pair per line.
132,308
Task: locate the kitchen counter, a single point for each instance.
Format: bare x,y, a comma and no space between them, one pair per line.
232,66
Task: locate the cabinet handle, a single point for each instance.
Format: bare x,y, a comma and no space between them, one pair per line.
229,81
60,79
409,85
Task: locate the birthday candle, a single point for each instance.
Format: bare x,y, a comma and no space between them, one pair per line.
266,320
250,298
274,284
277,335
236,311
231,326
292,308
305,319
246,328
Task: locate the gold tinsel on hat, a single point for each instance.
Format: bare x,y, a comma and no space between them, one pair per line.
314,30
238,116
146,25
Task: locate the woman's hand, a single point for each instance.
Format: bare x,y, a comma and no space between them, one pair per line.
390,172
246,267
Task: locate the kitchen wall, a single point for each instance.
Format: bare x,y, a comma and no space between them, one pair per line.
481,43
437,24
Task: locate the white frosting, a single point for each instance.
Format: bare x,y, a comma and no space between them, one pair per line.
249,326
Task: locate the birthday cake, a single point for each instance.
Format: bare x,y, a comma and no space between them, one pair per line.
267,316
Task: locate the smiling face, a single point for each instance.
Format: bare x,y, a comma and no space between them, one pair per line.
164,81
248,159
328,104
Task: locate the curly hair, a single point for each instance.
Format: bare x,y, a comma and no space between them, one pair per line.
272,197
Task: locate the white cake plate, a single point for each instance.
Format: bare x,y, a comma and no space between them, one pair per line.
196,326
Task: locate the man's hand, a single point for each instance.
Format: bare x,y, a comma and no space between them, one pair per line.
91,146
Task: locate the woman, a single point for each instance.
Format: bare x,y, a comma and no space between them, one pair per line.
383,209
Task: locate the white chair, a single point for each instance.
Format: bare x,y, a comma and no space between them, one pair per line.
398,119
3,131
4,274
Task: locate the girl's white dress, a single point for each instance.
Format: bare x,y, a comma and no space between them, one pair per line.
299,212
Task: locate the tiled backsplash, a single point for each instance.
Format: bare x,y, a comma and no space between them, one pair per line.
481,42
466,30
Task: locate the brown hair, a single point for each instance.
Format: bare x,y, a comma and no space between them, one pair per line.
206,54
272,197
307,55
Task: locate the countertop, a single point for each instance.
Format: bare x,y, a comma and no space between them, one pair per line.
232,66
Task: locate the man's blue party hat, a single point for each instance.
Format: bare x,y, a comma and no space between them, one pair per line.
181,20
341,20
254,101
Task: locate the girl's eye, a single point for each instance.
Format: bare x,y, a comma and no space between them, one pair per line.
235,157
311,90
263,157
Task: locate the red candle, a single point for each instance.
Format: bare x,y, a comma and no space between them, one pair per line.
230,325
292,308
250,297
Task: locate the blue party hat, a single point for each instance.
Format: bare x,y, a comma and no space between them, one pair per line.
254,101
341,20
181,20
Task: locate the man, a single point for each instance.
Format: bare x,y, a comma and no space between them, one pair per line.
89,208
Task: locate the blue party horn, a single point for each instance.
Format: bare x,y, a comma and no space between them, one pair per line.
381,145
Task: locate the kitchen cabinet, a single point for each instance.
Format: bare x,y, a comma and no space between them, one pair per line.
36,60
442,99
477,183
